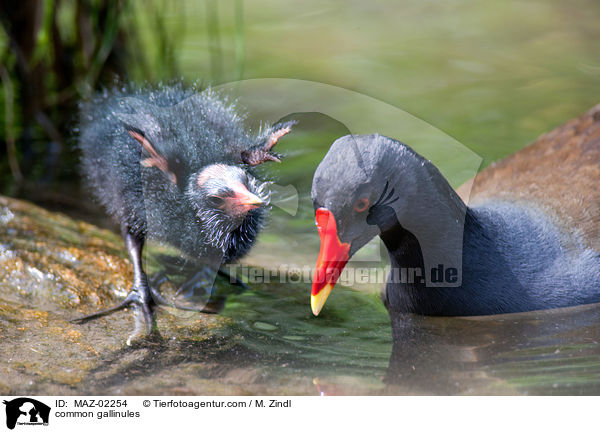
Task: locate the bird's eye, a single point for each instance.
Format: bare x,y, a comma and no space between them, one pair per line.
215,201
361,205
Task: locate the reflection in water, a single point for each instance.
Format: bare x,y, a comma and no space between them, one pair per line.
346,351
549,352
541,352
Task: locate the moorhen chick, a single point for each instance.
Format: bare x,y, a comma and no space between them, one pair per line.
176,165
529,238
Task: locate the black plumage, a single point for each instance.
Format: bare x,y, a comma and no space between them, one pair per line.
176,165
510,251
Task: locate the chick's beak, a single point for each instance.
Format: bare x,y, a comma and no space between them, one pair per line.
243,199
332,259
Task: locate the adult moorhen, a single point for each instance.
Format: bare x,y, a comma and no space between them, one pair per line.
177,165
529,238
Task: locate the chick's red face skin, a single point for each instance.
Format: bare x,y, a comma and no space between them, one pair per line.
333,256
241,200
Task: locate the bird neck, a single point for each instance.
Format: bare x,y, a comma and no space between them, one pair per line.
426,232
405,254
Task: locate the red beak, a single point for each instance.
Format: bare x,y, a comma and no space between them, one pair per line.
333,256
242,200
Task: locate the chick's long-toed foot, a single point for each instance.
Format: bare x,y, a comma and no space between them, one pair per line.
142,303
139,297
143,299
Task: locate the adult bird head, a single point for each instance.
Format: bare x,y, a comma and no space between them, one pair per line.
355,197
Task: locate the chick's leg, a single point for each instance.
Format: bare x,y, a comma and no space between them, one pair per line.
139,296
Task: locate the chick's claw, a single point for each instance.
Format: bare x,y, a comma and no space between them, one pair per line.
256,156
140,299
274,137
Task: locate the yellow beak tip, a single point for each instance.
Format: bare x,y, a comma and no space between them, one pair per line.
317,301
254,200
315,310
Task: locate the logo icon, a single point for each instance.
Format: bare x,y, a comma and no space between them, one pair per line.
26,411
